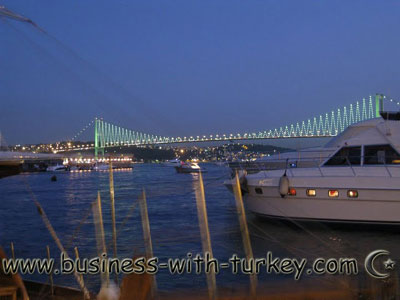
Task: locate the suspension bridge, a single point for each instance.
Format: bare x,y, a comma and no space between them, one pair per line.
324,125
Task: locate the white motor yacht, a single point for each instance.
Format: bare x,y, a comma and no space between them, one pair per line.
189,167
359,181
172,163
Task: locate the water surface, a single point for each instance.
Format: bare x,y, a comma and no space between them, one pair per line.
173,221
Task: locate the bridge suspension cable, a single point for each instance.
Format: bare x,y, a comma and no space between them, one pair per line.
79,133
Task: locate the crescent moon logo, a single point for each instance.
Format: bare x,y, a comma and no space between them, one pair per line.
369,263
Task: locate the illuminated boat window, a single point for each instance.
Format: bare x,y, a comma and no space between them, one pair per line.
311,192
352,194
333,193
292,192
258,190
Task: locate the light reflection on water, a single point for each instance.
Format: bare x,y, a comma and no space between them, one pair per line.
173,222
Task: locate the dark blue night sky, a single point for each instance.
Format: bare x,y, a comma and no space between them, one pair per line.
190,67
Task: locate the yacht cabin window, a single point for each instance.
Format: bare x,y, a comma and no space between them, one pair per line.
380,154
346,156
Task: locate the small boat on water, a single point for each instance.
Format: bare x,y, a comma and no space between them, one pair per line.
172,163
101,167
56,168
189,167
358,182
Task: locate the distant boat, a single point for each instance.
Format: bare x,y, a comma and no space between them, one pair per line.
56,168
101,167
189,168
172,163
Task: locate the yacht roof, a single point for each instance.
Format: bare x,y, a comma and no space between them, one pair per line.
373,132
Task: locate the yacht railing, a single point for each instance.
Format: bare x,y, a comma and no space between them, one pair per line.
310,162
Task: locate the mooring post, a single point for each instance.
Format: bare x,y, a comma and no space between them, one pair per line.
114,229
12,250
51,273
205,235
245,232
100,238
147,236
77,260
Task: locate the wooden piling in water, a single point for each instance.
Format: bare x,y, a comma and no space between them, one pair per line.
12,250
245,231
147,235
100,237
59,244
205,234
112,201
77,259
51,273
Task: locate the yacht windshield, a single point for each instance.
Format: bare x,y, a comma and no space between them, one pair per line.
346,156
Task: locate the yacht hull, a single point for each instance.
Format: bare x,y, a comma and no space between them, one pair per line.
379,207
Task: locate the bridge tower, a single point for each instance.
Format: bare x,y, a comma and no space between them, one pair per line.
97,141
378,105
